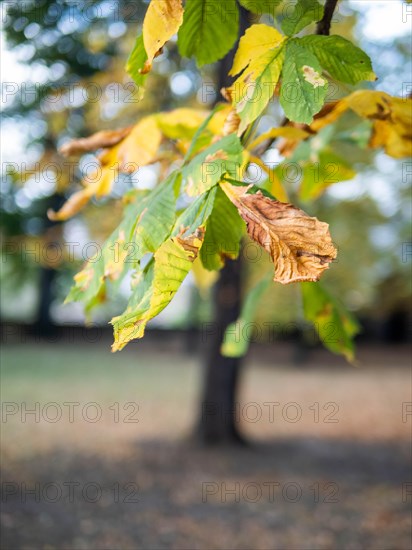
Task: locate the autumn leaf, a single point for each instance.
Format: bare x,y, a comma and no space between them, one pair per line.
99,140
141,145
254,43
162,20
318,175
99,183
260,56
181,123
289,132
136,65
391,117
73,205
300,246
133,147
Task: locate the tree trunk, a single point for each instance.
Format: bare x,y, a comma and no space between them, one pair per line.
219,419
43,324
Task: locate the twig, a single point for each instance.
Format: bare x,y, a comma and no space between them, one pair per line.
324,24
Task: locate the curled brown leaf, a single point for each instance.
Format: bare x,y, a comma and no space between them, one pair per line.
299,245
104,138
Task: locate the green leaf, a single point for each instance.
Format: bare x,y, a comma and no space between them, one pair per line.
224,230
199,134
207,168
209,29
254,89
303,88
236,338
342,59
335,326
326,171
136,61
108,263
156,217
156,285
196,214
305,12
148,222
155,288
261,6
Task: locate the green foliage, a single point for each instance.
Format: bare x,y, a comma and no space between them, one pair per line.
202,158
90,283
155,285
260,6
224,230
304,13
303,88
209,29
236,339
147,223
136,61
207,168
268,59
343,60
335,326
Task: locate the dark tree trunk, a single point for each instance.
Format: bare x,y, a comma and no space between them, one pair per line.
219,421
43,324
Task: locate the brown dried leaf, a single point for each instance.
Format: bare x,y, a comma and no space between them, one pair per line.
73,205
105,138
300,246
231,123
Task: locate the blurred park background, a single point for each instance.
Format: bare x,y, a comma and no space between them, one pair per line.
333,438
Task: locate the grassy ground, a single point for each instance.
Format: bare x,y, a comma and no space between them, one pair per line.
329,467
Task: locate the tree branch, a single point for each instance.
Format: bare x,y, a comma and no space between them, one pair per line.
324,24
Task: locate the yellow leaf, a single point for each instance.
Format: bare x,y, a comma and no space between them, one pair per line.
253,89
100,185
300,246
162,20
141,145
276,186
204,278
181,123
254,43
391,116
218,120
